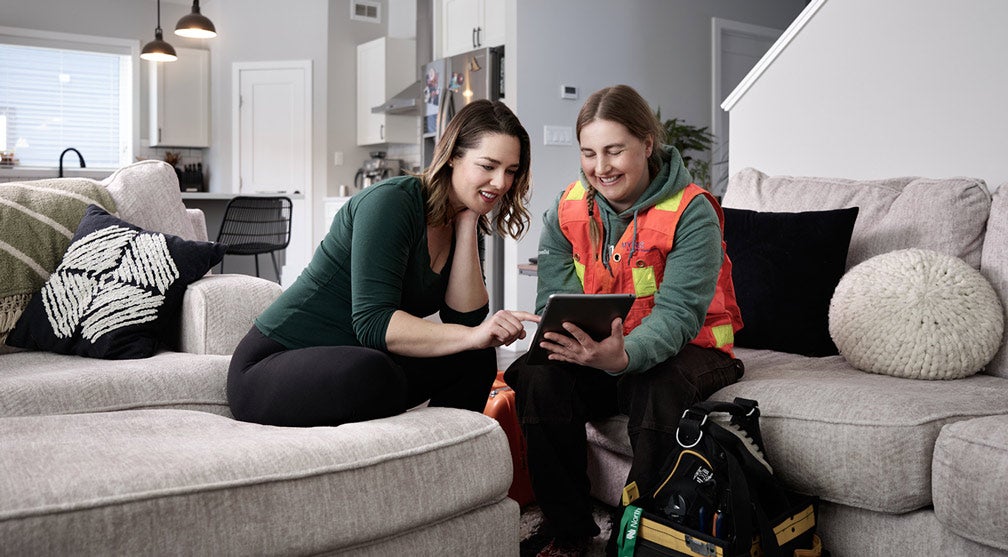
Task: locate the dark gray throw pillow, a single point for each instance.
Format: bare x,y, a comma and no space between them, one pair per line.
785,267
116,294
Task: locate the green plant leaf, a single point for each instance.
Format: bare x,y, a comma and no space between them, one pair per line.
688,139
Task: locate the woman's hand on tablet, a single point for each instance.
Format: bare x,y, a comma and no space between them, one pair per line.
502,328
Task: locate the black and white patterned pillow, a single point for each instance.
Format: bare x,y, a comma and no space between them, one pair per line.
116,294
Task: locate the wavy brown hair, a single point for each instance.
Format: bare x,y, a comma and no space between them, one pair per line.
464,132
624,105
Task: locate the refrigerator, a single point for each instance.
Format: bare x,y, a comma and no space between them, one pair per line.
448,85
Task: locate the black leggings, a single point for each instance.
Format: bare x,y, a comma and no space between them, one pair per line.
332,385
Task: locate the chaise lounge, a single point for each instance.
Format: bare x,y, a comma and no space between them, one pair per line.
141,456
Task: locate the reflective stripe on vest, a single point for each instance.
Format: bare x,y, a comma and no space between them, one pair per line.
638,261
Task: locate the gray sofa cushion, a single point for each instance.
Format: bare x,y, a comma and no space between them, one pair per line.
946,215
609,458
147,195
852,532
195,483
994,266
970,479
37,383
852,437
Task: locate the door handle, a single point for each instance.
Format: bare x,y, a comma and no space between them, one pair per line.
474,37
381,132
479,38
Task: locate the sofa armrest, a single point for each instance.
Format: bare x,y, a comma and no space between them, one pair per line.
198,221
218,310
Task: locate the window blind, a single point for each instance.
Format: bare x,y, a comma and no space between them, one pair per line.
54,98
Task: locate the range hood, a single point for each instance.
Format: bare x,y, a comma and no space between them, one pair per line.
406,101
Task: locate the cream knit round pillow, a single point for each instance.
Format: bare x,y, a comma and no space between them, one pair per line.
918,314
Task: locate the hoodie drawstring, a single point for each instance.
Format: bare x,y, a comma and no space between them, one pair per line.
633,247
608,251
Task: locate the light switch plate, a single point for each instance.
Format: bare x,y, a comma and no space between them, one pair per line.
558,135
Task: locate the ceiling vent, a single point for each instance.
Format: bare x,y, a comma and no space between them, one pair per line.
362,10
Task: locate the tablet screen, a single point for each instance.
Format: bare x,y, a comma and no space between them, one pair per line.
593,313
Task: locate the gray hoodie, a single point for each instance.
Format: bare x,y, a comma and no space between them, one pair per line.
691,268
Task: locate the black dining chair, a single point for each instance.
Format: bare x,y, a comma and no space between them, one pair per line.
256,224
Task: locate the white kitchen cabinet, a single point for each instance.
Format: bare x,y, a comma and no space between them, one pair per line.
470,24
179,98
385,66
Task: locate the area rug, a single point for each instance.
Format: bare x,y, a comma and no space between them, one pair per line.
535,534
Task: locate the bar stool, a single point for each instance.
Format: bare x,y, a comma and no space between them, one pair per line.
256,224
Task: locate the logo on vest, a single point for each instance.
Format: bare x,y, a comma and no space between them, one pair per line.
633,246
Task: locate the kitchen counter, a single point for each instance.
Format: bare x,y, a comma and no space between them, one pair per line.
221,196
25,173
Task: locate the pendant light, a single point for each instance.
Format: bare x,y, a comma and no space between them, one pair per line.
158,50
195,25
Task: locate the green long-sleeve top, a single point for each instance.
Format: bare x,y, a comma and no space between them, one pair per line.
373,261
691,267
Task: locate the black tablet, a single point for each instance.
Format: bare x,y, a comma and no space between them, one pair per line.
593,313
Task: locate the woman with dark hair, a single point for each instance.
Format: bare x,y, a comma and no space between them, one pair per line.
632,223
348,340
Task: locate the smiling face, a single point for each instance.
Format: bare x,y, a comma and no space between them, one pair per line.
615,162
482,175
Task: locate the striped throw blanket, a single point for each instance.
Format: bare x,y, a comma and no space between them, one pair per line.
37,221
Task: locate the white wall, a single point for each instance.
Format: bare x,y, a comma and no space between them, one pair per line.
660,47
873,89
344,36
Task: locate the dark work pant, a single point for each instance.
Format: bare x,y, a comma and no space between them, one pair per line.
332,385
555,401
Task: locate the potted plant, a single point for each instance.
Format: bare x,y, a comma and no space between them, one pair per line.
689,139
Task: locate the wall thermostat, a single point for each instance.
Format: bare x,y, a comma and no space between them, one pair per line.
568,92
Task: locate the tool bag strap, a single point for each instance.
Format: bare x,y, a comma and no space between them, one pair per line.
693,420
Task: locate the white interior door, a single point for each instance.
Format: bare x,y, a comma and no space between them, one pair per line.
273,146
272,138
736,49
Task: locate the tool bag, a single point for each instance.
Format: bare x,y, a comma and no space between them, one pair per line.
717,495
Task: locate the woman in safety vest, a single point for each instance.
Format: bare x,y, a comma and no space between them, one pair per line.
632,223
348,341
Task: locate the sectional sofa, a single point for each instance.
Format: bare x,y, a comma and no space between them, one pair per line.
904,467
142,456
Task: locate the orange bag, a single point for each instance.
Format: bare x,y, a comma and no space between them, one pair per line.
501,407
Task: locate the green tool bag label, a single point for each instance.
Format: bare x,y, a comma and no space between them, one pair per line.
629,525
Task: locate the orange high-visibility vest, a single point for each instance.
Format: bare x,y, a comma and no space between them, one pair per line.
637,261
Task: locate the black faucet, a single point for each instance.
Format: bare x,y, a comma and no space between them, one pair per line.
79,156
